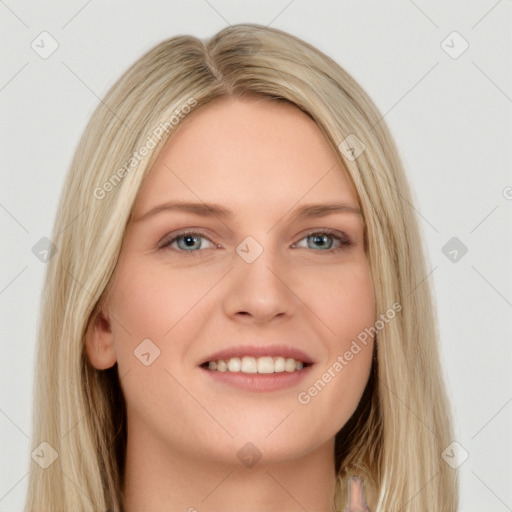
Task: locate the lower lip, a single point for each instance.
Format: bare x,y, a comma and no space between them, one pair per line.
260,382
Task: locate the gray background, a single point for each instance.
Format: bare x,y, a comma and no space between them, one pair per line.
451,117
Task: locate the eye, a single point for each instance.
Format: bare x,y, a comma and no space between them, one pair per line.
186,241
323,240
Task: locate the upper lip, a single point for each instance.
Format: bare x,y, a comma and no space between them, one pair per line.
286,351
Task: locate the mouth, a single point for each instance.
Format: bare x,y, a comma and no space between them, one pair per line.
260,365
258,368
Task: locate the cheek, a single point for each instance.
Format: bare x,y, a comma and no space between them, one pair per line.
150,302
143,309
344,300
150,305
345,303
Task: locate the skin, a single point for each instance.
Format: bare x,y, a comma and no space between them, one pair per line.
262,160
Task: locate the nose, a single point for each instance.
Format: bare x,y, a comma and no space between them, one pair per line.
258,291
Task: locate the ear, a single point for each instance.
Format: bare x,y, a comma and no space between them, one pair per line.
99,342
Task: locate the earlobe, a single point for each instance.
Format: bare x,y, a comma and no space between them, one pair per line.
99,342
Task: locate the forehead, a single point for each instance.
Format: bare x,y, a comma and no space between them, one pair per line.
246,151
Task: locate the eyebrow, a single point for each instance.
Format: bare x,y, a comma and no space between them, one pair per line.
217,210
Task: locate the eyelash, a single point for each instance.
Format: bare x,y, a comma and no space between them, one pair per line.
343,239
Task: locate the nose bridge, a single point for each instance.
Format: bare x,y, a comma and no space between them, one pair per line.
257,260
258,280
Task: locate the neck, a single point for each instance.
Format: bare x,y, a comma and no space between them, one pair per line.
159,478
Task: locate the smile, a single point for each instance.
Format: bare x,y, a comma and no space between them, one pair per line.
248,364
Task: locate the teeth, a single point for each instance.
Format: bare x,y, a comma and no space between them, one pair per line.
234,364
265,364
279,364
249,365
221,366
256,365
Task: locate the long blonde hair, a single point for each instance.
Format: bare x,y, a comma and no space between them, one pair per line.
395,438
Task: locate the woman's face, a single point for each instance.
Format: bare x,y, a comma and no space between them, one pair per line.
261,279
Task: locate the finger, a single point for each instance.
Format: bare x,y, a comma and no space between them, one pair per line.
356,500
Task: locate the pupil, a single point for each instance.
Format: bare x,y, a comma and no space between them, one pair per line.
189,240
320,240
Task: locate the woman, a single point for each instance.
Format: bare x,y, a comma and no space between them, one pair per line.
236,317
